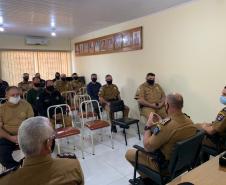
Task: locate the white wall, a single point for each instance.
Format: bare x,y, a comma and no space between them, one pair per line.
185,46
18,42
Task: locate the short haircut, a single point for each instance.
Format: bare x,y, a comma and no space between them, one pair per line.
94,74
57,73
108,75
150,74
74,74
11,87
35,78
33,133
25,74
175,100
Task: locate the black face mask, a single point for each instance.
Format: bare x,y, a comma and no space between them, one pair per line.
75,78
57,77
37,84
63,79
50,88
151,82
94,79
53,145
109,82
26,79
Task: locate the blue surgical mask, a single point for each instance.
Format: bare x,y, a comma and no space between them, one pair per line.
223,100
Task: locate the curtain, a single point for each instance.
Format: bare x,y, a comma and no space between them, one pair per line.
14,63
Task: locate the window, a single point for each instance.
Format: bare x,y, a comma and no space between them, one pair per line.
15,63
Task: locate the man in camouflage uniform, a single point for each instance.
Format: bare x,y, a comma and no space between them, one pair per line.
62,85
75,84
25,85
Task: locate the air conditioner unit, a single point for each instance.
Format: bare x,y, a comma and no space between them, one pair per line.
32,40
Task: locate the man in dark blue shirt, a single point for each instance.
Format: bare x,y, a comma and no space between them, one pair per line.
93,88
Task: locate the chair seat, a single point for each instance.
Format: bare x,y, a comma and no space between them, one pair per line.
124,122
87,115
96,124
65,132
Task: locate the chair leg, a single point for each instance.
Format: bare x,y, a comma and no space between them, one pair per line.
112,142
138,130
124,131
58,148
82,145
93,149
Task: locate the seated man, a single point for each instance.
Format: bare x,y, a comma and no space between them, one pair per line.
160,134
108,93
151,97
50,96
36,140
62,85
25,85
215,130
12,113
76,84
3,87
33,94
42,82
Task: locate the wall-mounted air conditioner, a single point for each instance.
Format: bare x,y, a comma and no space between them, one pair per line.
32,40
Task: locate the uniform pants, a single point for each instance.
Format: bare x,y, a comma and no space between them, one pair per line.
59,120
111,115
6,149
207,142
145,111
142,159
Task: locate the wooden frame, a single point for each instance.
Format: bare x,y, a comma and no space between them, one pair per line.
128,40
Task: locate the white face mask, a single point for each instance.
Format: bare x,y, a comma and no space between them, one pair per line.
14,100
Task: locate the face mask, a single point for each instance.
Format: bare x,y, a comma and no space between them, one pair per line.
14,100
37,84
223,100
50,88
75,78
151,82
109,82
26,78
63,79
57,77
94,79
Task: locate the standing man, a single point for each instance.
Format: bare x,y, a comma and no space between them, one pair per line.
162,134
108,93
33,94
12,113
25,85
57,76
151,97
3,86
75,83
42,82
62,85
93,87
36,140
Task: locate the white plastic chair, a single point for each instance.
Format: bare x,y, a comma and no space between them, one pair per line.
64,132
91,121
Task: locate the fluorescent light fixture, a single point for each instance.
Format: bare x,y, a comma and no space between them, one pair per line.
1,20
53,34
52,24
1,29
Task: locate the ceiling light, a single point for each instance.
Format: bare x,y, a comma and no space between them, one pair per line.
53,34
2,29
52,24
1,20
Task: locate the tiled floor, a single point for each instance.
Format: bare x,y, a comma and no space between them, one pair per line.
108,166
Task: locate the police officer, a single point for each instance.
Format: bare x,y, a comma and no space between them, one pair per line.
42,82
151,97
108,93
50,96
76,85
57,77
25,85
62,85
215,131
36,140
161,134
12,113
33,94
3,87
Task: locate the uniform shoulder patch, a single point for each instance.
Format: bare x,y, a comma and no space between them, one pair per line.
165,121
220,117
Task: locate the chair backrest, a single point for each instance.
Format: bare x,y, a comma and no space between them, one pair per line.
116,106
185,154
78,99
69,97
60,107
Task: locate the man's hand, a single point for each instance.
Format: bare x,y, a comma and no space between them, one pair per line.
153,118
13,139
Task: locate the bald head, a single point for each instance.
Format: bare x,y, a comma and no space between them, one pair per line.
175,100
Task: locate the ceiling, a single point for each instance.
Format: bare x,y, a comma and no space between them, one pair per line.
73,17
